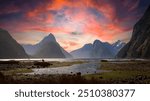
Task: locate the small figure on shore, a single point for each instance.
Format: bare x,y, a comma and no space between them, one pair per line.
43,60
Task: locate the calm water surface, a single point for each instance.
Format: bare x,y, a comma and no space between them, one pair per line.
85,68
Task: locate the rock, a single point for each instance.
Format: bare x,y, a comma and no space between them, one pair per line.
139,45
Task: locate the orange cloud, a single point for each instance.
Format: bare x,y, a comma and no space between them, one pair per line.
67,16
69,45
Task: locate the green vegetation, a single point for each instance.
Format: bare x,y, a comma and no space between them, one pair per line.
16,71
61,64
42,64
11,62
126,66
123,72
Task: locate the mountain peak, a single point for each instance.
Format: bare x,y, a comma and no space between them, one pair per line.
50,35
118,41
49,38
97,42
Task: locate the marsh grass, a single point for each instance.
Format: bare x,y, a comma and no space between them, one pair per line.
54,64
42,64
123,72
61,64
126,66
11,62
16,71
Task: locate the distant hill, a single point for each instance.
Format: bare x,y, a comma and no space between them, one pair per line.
9,47
139,45
98,50
47,48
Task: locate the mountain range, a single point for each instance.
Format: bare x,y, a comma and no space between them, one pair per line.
139,45
98,50
48,47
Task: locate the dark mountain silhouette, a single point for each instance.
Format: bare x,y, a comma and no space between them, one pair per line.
139,45
9,48
47,48
98,50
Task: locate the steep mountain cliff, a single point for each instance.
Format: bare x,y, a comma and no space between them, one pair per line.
139,45
9,48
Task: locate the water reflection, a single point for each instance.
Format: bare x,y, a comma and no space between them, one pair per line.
86,68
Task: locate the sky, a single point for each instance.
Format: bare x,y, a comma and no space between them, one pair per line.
73,22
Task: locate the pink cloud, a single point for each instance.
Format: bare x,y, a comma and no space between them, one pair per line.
76,18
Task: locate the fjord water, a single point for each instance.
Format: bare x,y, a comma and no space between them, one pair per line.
85,68
89,67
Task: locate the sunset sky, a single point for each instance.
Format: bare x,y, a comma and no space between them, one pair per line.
73,22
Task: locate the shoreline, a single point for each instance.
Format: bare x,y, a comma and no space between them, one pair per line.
120,72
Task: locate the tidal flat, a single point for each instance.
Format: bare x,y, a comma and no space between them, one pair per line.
108,71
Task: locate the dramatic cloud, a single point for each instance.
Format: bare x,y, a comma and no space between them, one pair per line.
71,21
